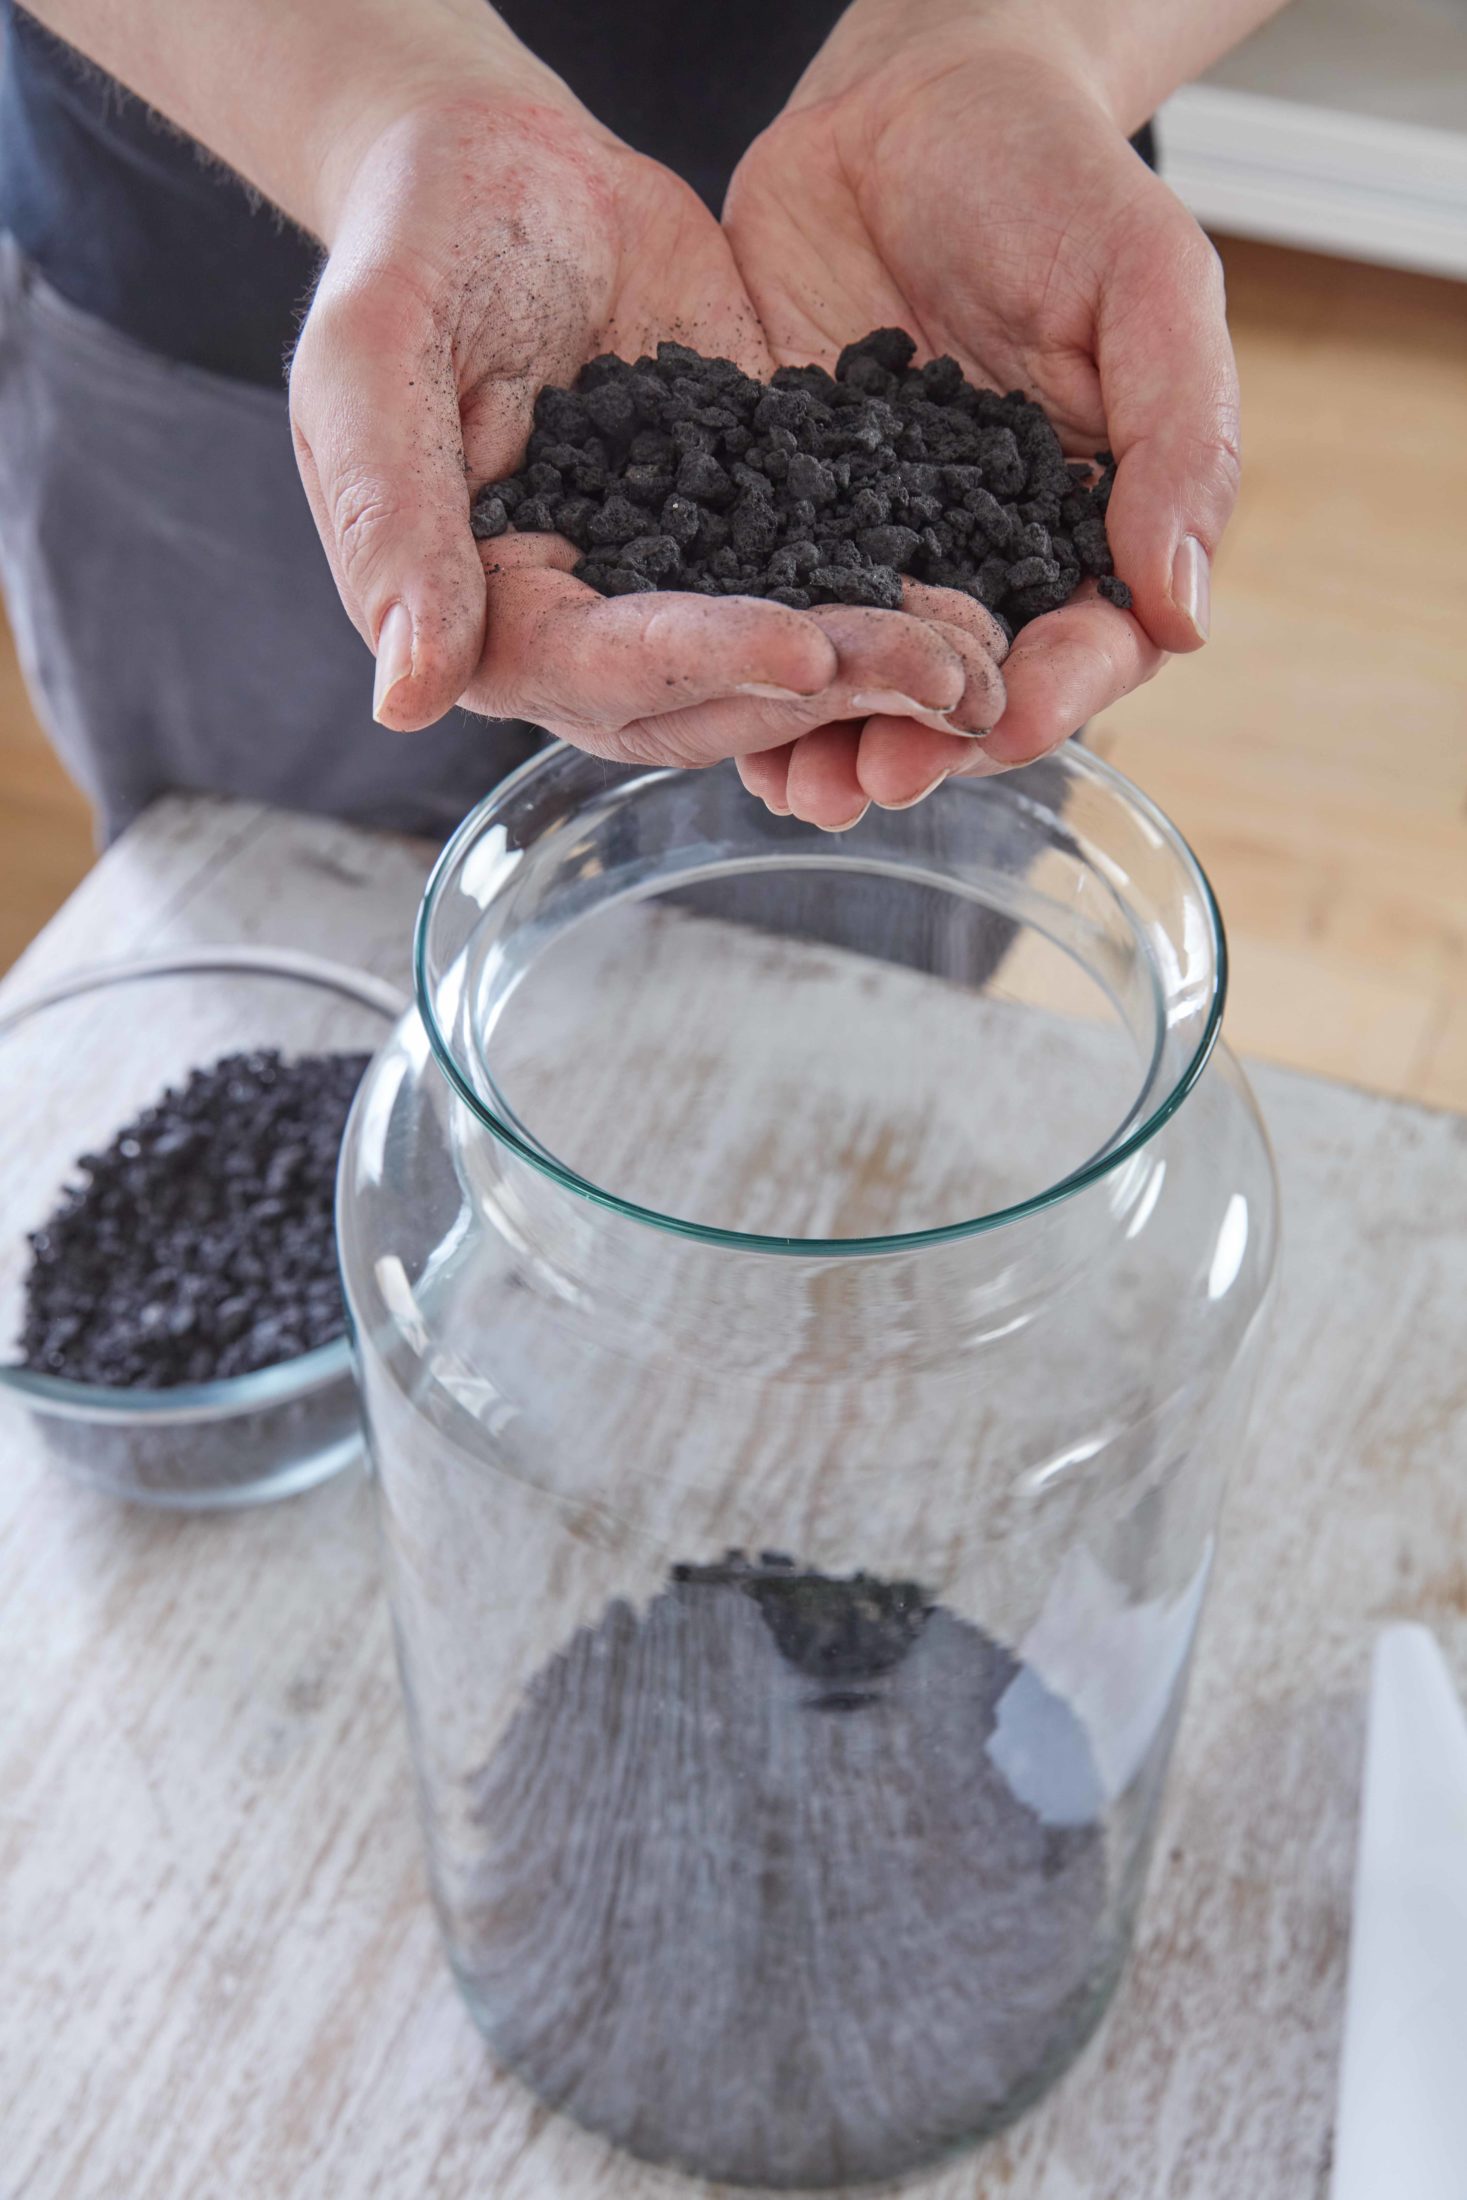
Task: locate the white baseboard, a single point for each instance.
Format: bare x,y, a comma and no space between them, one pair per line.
1303,175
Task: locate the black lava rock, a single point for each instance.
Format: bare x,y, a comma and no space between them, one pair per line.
789,1830
202,1243
831,1629
682,472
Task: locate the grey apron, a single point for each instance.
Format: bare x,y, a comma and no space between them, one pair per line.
175,616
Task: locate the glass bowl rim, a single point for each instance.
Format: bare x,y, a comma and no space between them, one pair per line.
1077,762
229,1396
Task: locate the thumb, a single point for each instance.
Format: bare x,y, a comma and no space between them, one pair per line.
375,417
1170,392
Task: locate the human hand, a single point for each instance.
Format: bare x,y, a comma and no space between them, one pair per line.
984,199
482,246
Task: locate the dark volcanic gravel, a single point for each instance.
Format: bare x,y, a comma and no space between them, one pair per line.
682,472
756,1895
201,1244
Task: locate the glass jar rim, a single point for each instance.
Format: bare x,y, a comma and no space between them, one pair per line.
222,1397
1077,763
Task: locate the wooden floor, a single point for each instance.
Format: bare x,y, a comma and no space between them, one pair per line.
1315,753
45,826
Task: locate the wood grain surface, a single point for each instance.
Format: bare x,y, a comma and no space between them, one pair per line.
222,1979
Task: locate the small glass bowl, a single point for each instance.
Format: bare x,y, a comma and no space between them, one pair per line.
77,1062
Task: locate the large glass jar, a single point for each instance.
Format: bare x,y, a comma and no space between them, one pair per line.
806,1292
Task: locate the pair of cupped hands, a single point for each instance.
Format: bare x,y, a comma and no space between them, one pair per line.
490,239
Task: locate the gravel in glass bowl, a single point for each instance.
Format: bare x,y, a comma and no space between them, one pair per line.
80,1060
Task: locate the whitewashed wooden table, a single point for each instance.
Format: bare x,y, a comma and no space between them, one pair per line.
219,1977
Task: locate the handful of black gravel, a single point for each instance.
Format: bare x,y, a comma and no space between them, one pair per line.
684,472
201,1244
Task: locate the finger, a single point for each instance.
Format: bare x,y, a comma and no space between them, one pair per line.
981,704
507,552
886,662
1062,669
1170,391
899,760
951,607
891,662
591,667
898,763
766,776
374,414
823,788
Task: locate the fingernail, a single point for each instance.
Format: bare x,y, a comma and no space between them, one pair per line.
776,809
1192,585
886,703
930,788
851,822
394,655
768,694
